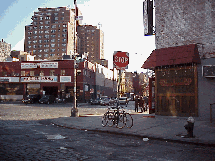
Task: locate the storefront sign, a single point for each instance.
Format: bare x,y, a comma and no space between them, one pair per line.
9,79
28,65
49,65
39,79
65,78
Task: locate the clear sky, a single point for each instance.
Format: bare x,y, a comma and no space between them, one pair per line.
122,23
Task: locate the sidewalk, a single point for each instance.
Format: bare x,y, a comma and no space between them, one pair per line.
145,126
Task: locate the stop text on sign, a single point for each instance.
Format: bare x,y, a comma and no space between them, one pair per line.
121,59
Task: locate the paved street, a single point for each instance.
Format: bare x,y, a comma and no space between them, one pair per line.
28,134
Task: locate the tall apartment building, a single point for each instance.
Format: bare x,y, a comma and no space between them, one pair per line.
5,50
51,33
91,42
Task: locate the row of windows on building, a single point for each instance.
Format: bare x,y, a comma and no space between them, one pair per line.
46,36
45,31
47,45
42,73
47,50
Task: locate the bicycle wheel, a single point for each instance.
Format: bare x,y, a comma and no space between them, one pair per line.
110,118
121,121
104,120
129,120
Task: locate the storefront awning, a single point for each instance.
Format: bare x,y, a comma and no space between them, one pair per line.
172,56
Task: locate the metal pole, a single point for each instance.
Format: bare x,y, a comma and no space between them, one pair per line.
74,110
118,89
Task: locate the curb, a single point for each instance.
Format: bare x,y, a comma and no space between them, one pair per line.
139,136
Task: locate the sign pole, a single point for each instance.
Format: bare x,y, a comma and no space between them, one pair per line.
118,89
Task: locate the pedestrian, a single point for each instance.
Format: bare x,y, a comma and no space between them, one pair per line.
141,104
136,103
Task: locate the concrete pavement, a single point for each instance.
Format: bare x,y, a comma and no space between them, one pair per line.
145,125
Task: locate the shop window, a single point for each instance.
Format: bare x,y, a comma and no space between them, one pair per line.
22,73
41,73
31,73
51,73
62,72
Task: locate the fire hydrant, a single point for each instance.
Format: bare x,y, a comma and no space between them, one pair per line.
189,127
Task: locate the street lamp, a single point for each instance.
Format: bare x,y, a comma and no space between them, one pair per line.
74,110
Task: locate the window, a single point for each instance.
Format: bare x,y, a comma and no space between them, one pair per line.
46,36
46,27
63,44
46,31
51,72
64,25
40,41
29,38
56,18
40,51
46,55
35,27
47,22
35,37
41,18
40,37
46,50
52,50
31,73
63,49
47,17
63,35
35,41
52,40
41,27
62,72
53,26
34,46
29,47
56,14
64,40
52,45
41,73
64,30
39,46
53,35
22,73
41,22
46,45
53,31
29,42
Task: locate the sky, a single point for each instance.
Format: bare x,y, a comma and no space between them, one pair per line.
122,24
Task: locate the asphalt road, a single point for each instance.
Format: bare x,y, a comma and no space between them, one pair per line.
25,135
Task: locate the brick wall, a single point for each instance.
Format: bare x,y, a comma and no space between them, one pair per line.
183,22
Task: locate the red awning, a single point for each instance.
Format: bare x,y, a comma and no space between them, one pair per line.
172,56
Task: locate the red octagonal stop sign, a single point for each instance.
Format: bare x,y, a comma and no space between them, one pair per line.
120,60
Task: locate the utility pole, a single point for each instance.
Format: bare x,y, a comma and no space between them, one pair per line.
74,110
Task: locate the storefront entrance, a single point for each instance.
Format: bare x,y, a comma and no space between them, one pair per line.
51,90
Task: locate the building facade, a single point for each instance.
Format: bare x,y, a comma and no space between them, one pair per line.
5,50
51,33
18,79
184,58
91,43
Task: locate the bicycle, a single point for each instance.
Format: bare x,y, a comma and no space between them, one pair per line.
117,117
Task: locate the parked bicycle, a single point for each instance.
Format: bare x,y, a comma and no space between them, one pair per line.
117,116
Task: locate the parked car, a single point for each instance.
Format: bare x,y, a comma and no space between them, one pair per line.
47,99
123,100
112,101
31,98
105,102
95,101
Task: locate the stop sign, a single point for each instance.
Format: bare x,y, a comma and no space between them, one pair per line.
120,59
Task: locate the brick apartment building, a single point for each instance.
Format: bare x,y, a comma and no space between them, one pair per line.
92,43
51,33
5,49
